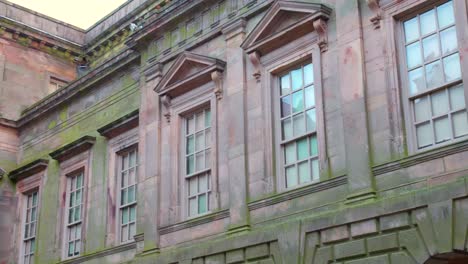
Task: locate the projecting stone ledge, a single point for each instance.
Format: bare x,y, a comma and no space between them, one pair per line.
76,147
28,170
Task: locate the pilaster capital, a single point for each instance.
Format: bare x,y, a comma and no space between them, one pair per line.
235,28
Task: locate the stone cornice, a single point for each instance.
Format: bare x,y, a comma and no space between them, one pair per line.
194,222
72,149
60,96
421,157
120,125
28,170
299,192
100,254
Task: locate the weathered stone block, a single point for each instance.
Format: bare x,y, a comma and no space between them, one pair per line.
394,221
335,234
324,255
235,256
364,228
257,251
381,243
350,249
401,258
215,259
371,260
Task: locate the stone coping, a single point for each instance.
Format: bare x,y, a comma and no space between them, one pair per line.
195,222
120,125
421,157
73,148
28,169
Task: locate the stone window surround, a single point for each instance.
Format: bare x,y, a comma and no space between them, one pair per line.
117,145
393,16
69,167
198,99
24,187
273,65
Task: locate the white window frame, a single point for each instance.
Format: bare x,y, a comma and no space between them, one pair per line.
69,168
24,241
119,208
408,108
196,174
116,145
70,178
181,106
274,64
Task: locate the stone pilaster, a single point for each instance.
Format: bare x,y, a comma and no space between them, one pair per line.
353,97
235,124
147,237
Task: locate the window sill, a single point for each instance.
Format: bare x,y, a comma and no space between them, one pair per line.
422,156
298,192
198,220
100,254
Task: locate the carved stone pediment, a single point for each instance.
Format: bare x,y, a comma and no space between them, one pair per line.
286,21
189,71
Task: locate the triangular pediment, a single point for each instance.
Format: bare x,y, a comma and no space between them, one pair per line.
189,70
283,21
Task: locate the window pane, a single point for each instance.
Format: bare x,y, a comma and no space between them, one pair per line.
202,206
200,161
207,159
448,38
439,102
190,164
34,199
313,146
193,186
79,181
287,128
315,169
411,29
416,81
199,141
132,214
291,176
413,55
424,135
309,96
457,97
203,183
428,22
452,67
304,172
207,138
199,121
193,209
132,231
296,77
131,194
434,75
421,109
286,106
124,216
207,118
71,249
123,197
311,121
442,129
445,14
431,47
78,213
460,124
190,125
290,153
190,144
308,74
298,101
302,149
285,85
298,123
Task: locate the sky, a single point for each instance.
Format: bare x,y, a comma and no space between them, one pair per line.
80,13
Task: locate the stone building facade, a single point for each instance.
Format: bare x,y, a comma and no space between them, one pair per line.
236,131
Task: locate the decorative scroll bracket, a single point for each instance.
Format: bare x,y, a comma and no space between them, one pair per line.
255,59
374,5
217,77
166,101
320,26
